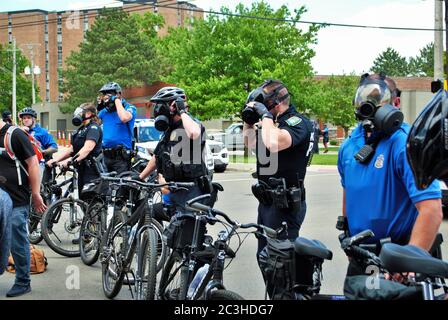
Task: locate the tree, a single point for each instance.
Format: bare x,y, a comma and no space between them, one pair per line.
23,85
330,100
423,64
119,48
392,63
222,58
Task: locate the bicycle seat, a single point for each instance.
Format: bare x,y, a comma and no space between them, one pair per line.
396,258
313,248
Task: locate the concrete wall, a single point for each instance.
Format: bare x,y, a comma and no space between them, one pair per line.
412,103
54,114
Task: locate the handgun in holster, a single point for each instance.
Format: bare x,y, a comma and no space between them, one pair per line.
261,191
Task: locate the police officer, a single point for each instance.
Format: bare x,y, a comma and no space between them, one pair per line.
7,117
284,143
86,145
118,117
379,191
179,156
28,117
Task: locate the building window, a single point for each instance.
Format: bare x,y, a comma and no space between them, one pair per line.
9,28
47,62
86,22
178,15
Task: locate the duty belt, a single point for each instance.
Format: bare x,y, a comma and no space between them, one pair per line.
117,152
277,194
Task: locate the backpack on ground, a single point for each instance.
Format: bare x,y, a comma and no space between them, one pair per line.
38,261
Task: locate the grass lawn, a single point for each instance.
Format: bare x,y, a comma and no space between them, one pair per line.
325,159
318,159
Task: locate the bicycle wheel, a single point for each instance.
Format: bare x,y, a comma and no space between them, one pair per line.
61,224
147,265
225,295
162,249
34,227
113,247
90,234
173,283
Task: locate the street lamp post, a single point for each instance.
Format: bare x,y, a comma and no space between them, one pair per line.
34,70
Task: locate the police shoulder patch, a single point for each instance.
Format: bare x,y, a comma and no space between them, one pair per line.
293,121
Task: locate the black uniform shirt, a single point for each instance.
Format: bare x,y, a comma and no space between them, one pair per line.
92,131
20,195
292,162
194,164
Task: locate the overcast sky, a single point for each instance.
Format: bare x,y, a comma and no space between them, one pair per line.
339,49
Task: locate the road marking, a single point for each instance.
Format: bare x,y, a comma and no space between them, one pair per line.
309,175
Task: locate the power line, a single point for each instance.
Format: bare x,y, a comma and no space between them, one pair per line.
36,23
307,22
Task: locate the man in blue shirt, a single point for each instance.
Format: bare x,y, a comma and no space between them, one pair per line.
379,189
28,117
118,117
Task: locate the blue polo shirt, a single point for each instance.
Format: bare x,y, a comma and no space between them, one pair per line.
382,194
116,132
45,139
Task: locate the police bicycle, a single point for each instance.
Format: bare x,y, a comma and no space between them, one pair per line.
103,199
132,245
61,221
50,192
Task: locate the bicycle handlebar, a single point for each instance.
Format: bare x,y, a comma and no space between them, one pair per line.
196,206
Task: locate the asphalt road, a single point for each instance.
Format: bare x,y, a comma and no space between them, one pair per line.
69,279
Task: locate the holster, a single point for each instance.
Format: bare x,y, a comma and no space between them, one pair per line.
261,191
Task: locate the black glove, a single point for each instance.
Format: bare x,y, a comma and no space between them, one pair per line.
180,105
110,104
262,111
136,176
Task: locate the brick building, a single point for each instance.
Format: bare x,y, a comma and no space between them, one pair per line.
48,38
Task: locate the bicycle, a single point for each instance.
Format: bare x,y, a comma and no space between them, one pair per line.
130,236
50,192
207,283
62,236
101,198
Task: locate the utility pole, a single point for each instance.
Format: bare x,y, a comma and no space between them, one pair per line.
446,37
438,40
30,47
14,82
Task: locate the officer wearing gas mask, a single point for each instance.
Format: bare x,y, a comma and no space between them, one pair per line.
284,142
180,154
118,118
379,191
86,145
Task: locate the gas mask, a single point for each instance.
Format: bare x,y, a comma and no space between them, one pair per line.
269,100
163,116
107,101
373,108
78,117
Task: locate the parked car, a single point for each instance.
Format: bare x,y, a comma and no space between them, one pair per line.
234,137
219,152
147,137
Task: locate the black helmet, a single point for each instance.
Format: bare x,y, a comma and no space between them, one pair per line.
28,112
6,114
110,86
427,145
167,94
